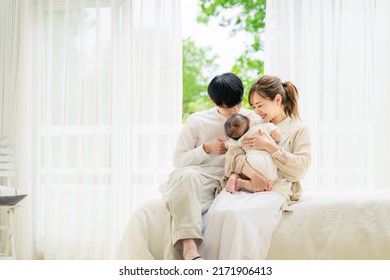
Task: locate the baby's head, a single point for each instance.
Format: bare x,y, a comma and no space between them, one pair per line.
236,126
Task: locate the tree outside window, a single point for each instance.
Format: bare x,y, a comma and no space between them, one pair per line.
237,16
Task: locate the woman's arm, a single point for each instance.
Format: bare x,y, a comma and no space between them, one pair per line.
294,165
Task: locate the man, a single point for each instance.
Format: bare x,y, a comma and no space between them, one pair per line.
199,161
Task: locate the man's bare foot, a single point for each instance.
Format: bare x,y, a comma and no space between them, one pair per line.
231,183
191,255
190,250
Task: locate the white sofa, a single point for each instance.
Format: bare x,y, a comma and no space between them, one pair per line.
323,225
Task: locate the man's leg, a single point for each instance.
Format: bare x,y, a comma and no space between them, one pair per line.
183,195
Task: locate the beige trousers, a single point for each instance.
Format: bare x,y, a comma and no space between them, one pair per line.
188,194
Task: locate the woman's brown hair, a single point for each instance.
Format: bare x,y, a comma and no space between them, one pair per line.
269,87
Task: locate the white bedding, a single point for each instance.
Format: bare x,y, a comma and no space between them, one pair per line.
326,225
335,225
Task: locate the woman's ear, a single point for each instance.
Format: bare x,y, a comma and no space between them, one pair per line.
278,99
212,101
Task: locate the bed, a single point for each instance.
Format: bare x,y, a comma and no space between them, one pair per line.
323,225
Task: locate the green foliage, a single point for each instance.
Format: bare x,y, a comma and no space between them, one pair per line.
240,16
249,15
198,63
248,69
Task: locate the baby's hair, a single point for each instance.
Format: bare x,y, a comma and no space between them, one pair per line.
270,86
234,126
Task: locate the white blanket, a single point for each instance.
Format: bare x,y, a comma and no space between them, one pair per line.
323,225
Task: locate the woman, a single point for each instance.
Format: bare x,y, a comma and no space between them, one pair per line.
240,225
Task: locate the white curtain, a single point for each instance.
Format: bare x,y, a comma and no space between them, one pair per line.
337,53
96,87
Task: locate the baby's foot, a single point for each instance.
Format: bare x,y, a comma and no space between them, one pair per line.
231,183
244,184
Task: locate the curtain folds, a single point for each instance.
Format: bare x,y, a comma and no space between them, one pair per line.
336,52
97,94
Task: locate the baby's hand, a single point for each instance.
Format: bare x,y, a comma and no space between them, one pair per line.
276,134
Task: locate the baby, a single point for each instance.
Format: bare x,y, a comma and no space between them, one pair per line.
237,127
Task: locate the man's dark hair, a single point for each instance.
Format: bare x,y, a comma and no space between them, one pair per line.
226,90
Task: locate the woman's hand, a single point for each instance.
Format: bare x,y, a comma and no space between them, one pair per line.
260,142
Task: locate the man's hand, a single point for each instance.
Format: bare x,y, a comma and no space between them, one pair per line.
216,146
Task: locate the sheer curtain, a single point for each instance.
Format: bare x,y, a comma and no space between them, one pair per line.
337,53
97,90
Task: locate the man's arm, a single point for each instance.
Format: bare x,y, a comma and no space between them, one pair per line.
189,152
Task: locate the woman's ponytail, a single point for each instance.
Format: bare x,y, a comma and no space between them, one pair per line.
291,101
